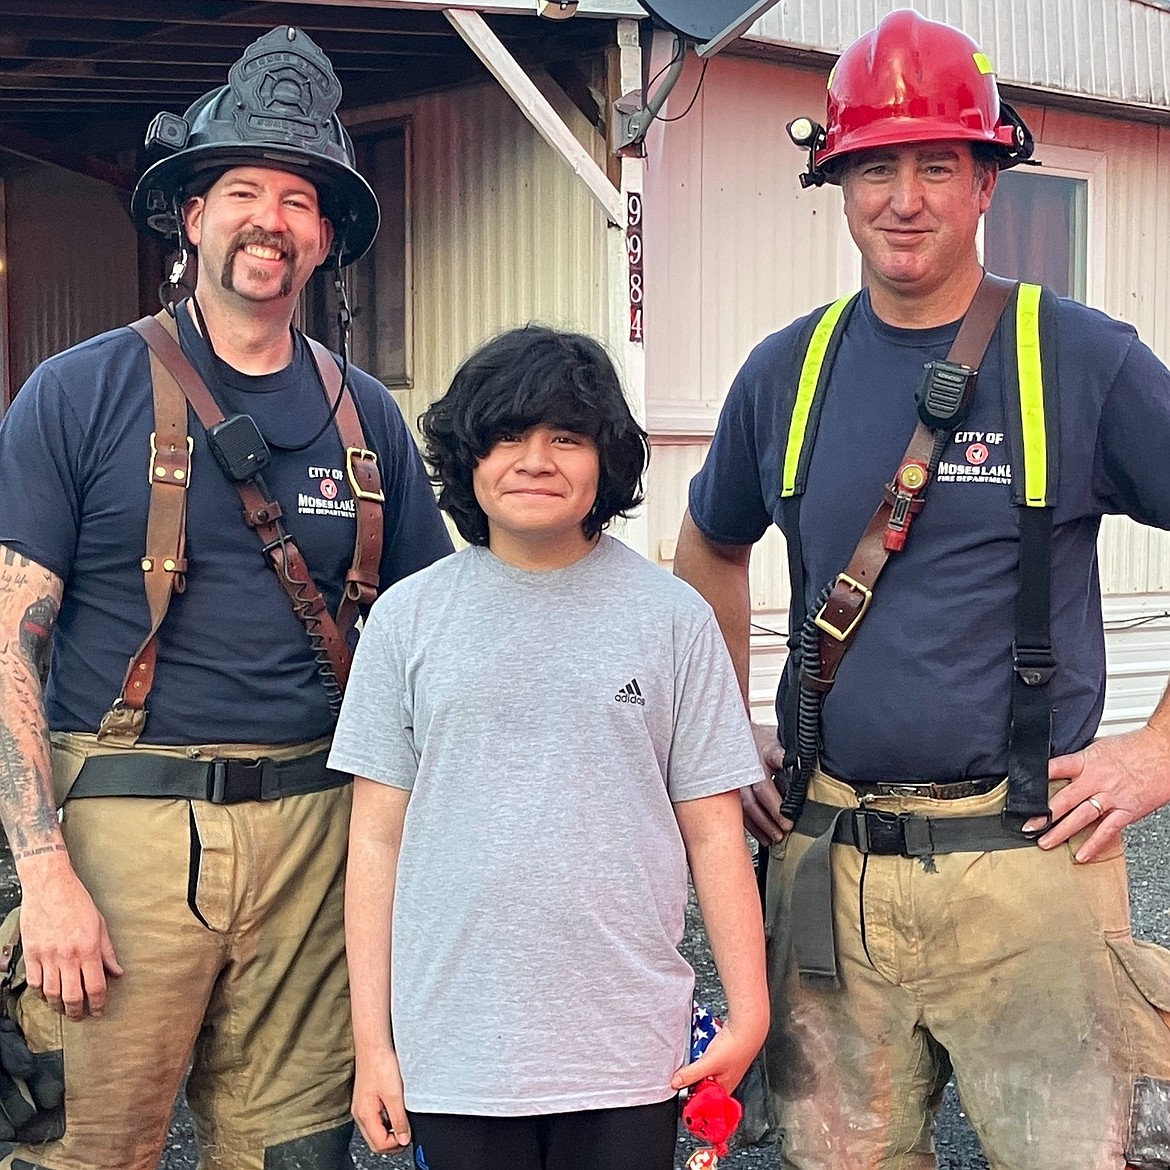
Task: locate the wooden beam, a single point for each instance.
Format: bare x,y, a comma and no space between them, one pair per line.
112,42
39,150
96,88
484,43
631,353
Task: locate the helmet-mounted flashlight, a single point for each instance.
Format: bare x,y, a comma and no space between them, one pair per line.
810,136
803,131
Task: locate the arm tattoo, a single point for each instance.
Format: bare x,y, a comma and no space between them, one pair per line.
30,600
19,789
36,632
57,847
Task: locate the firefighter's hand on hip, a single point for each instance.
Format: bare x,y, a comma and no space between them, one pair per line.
761,802
1112,783
67,948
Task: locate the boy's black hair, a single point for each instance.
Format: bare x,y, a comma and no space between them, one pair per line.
525,378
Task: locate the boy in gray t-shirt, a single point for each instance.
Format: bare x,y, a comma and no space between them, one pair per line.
544,729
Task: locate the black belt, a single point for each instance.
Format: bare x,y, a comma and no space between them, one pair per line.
946,790
891,834
882,834
220,781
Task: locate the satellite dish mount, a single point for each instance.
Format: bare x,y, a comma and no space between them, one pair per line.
707,26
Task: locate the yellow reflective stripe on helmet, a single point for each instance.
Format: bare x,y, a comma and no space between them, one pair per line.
810,373
1031,379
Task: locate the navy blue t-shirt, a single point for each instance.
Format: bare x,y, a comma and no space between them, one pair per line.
234,662
924,692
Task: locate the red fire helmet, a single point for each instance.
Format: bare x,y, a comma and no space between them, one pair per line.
912,80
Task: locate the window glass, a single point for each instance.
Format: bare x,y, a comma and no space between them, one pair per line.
1036,230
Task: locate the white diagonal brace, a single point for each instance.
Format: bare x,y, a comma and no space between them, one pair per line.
536,108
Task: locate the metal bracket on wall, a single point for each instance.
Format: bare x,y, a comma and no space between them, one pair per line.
634,113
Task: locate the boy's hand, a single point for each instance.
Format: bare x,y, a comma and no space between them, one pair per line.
727,1057
378,1106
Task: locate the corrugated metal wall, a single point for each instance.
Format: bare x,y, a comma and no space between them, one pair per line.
732,248
1115,49
503,233
735,249
72,262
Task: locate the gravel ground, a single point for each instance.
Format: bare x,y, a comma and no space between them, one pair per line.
958,1148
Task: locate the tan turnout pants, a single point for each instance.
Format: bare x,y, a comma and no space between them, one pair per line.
1017,967
228,922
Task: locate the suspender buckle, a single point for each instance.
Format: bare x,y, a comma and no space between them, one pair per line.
1034,665
361,469
854,600
121,724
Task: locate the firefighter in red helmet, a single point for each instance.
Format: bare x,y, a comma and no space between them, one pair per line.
911,80
946,889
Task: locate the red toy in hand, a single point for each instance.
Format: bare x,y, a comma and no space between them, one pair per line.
712,1115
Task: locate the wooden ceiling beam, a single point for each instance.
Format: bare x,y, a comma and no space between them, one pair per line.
44,31
91,86
317,18
186,72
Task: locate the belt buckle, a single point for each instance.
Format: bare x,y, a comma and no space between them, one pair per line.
879,833
911,790
822,623
236,781
366,456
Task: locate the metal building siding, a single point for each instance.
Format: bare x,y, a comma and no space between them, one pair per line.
503,234
672,465
735,249
1137,652
1113,49
72,263
1134,259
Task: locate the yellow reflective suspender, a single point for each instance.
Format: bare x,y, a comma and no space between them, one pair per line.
1030,375
806,391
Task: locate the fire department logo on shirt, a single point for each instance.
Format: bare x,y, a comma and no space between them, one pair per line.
321,499
975,457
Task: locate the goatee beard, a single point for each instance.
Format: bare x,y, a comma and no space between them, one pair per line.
276,240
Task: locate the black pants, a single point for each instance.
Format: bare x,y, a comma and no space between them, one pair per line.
638,1138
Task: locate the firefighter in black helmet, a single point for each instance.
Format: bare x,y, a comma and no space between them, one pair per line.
184,910
277,111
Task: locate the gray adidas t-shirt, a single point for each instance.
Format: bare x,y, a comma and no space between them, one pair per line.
544,722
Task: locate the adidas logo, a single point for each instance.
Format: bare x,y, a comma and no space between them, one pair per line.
630,693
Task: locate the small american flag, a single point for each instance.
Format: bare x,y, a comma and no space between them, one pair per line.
705,1025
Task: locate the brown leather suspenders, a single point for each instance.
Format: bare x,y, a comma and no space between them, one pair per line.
175,382
852,592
